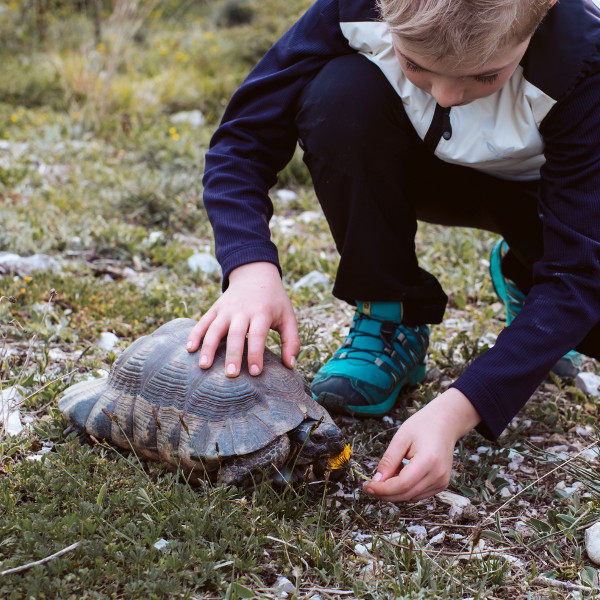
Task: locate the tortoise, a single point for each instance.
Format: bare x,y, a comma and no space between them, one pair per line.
160,404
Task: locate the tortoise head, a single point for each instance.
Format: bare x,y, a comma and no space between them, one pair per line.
315,440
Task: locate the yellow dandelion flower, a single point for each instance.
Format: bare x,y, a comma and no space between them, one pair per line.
27,279
172,130
164,51
14,118
181,56
342,459
22,290
175,136
101,47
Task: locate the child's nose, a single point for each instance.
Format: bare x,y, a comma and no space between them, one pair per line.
447,93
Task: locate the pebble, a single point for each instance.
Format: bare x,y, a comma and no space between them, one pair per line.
589,383
153,238
284,586
24,266
461,508
286,195
592,543
438,539
313,279
361,550
205,262
194,118
417,531
107,341
162,543
10,416
569,489
369,572
309,216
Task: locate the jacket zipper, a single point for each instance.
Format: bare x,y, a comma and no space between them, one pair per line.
440,127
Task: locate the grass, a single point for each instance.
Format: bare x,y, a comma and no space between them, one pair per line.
95,173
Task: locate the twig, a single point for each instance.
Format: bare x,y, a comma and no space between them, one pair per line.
564,585
40,562
270,537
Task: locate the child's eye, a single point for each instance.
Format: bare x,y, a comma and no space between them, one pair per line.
410,66
486,78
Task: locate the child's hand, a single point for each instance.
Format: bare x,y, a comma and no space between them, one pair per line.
427,440
254,302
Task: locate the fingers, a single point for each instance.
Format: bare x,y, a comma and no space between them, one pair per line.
290,342
198,331
254,302
257,338
421,478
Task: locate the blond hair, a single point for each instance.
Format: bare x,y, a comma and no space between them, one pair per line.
469,31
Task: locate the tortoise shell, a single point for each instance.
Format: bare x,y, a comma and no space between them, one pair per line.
158,402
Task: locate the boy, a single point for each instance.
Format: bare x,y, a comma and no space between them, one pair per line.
477,113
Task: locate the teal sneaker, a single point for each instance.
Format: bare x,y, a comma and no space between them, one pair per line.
514,299
380,356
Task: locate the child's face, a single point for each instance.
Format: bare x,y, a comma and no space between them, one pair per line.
454,86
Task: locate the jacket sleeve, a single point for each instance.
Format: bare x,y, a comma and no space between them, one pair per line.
564,302
257,137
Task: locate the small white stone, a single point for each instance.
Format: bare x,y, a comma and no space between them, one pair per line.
205,262
592,543
460,506
194,118
107,340
26,265
154,237
387,419
286,195
10,416
589,383
162,543
438,539
284,586
313,279
417,531
309,216
361,550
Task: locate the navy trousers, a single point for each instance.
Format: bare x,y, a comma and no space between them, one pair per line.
374,179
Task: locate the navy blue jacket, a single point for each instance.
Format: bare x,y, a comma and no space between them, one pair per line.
543,124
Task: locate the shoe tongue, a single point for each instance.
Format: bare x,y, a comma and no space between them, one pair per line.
384,311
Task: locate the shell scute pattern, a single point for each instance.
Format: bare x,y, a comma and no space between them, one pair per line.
216,398
159,403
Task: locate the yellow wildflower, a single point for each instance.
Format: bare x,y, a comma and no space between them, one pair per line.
342,459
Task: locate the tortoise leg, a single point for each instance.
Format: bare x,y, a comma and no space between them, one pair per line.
240,469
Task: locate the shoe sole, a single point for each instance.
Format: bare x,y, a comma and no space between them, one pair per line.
337,404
